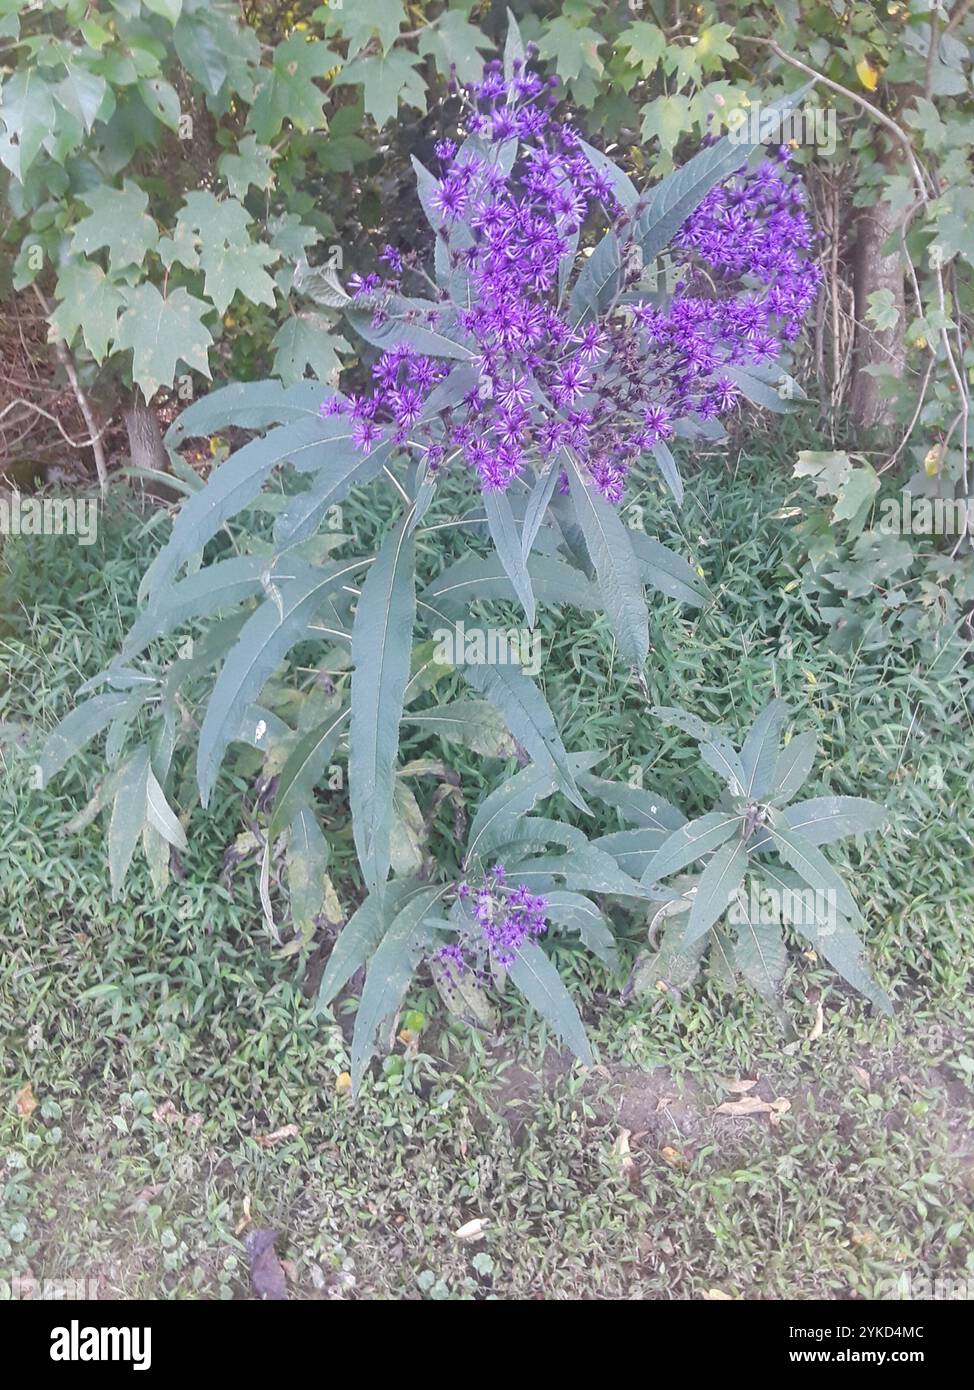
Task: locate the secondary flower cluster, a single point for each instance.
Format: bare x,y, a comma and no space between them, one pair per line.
499,920
607,376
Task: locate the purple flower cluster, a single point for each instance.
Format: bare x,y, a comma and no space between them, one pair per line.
499,920
509,205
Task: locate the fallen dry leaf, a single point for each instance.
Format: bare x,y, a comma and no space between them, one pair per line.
673,1157
754,1105
26,1101
739,1088
343,1082
147,1195
818,1027
472,1230
244,1221
627,1164
718,1296
267,1141
861,1074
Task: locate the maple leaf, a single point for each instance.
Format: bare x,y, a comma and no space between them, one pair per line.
387,80
162,332
118,220
250,165
358,22
645,45
228,257
453,43
89,301
573,49
306,340
27,111
290,93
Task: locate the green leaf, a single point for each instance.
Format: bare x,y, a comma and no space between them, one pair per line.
305,766
118,221
289,92
247,167
129,814
824,819
514,53
716,750
645,44
264,641
306,340
231,262
552,581
610,550
671,474
162,100
666,571
639,805
633,850
759,753
689,843
405,323
829,933
159,813
162,332
543,988
810,864
598,283
388,79
201,594
381,647
507,543
537,503
307,861
360,937
390,972
29,117
89,301
250,405
472,723
759,952
454,44
235,484
793,766
721,879
519,795
575,912
528,718
76,730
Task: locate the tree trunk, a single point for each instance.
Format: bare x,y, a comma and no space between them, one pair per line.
872,404
146,449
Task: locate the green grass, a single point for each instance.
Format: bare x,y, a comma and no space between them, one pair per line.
162,1038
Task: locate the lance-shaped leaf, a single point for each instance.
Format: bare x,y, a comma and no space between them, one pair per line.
473,723
528,718
201,594
689,843
575,912
759,752
811,865
513,51
77,729
552,581
599,281
721,878
622,185
610,550
160,815
823,819
347,467
129,815
639,805
307,860
759,952
389,974
585,867
826,930
265,639
544,989
770,388
673,199
360,937
233,486
507,543
716,750
666,464
633,850
519,795
408,323
537,503
381,646
668,572
303,770
793,766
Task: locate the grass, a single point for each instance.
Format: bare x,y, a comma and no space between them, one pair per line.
165,1039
